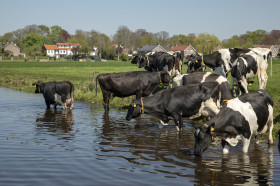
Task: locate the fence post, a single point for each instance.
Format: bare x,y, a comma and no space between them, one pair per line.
93,79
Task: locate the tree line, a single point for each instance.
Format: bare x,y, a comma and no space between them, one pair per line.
31,38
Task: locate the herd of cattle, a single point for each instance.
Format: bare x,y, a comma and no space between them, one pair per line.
197,93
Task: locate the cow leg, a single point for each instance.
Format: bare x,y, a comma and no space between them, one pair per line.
47,104
225,146
177,118
162,124
270,125
246,143
106,96
263,80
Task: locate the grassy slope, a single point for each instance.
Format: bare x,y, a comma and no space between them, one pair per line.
20,76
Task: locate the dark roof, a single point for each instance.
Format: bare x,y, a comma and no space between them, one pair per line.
148,48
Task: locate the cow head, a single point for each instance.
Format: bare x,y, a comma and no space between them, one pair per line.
134,110
40,86
203,138
136,59
165,77
195,63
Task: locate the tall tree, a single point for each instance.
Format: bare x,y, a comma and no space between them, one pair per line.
122,38
161,37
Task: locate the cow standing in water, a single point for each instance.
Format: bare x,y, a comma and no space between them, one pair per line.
56,93
190,101
239,119
124,84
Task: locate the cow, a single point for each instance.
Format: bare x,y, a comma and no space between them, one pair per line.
195,65
200,77
124,84
239,119
190,101
161,61
220,61
249,65
56,93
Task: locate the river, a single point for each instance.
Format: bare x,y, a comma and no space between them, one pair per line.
40,146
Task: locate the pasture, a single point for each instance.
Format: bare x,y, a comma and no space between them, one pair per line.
21,75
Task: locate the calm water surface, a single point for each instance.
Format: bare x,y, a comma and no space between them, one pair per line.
85,147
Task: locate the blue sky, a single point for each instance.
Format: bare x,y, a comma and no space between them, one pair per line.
223,18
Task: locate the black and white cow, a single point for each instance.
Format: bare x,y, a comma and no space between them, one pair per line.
161,61
195,64
56,93
239,119
124,84
219,61
200,77
249,65
190,101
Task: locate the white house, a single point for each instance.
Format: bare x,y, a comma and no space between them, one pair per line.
60,50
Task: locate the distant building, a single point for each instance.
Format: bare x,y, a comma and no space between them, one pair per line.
274,48
61,50
151,48
13,48
186,49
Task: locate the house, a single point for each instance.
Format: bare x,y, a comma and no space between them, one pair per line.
274,48
61,50
13,48
151,48
186,49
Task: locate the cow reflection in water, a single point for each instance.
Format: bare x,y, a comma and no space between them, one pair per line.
253,168
56,121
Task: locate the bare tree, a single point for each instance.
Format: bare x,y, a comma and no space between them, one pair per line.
122,38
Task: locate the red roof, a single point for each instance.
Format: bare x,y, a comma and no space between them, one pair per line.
179,48
54,47
51,47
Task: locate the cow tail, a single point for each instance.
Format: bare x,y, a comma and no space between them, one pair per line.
270,65
72,89
220,101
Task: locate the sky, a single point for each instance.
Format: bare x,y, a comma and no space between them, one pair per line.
222,18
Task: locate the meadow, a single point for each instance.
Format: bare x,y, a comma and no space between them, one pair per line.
20,76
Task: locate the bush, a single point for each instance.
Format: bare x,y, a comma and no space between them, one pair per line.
124,57
108,54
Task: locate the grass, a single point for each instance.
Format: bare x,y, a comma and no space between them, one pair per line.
21,75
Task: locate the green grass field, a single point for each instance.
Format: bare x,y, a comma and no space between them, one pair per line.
21,75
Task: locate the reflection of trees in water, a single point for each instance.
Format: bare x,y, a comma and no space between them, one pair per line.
171,152
56,121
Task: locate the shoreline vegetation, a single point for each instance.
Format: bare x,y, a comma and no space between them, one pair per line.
19,75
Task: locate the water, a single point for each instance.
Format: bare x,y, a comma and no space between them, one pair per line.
85,147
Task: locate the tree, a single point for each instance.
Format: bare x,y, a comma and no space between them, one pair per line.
206,43
63,36
161,37
32,44
54,34
122,38
148,40
273,38
233,42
